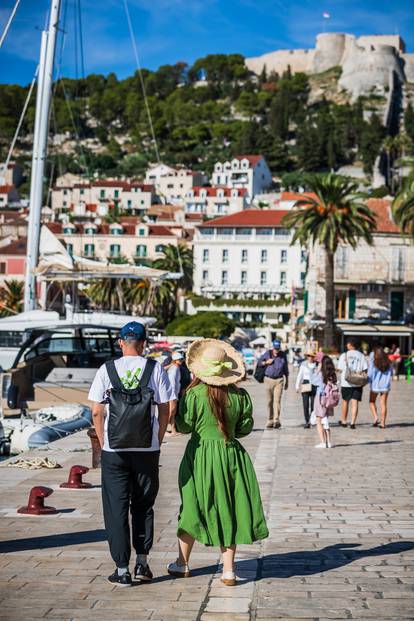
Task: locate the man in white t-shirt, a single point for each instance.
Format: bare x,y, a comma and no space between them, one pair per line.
356,361
130,476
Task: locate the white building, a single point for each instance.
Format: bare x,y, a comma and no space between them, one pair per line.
173,184
373,283
100,196
244,266
244,171
213,202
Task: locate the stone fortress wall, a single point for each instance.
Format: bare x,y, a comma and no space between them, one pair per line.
366,61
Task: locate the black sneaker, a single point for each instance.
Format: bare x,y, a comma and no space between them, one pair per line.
352,426
306,426
142,573
277,425
122,581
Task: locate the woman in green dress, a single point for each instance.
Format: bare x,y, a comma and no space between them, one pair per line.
220,497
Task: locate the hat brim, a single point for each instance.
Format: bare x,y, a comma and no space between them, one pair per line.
229,376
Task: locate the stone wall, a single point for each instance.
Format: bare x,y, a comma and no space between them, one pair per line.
366,61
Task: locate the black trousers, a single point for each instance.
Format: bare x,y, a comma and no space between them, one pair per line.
308,399
129,483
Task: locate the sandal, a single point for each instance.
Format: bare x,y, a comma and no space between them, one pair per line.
228,578
376,423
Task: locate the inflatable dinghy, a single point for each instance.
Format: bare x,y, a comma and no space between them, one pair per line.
46,425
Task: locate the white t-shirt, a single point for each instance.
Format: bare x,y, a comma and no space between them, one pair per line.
174,376
356,362
130,369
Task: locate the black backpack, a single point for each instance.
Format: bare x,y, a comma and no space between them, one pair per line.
259,373
130,416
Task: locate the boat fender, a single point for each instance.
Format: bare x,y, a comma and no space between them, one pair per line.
13,397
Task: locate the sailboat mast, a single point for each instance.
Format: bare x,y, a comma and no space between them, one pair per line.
43,98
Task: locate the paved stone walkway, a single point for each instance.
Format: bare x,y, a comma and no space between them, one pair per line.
341,543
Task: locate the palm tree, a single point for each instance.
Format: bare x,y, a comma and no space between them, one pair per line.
11,298
336,214
107,293
403,209
176,260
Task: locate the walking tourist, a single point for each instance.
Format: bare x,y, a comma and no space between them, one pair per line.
220,497
353,367
276,378
174,377
326,399
130,434
185,375
305,386
379,376
395,358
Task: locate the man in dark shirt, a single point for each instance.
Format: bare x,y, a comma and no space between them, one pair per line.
276,377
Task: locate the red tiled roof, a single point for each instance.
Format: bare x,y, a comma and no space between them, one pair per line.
5,189
16,247
382,210
249,217
252,159
160,230
91,207
110,183
55,227
194,216
295,196
129,219
145,187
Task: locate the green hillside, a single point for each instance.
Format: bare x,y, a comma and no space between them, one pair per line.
102,126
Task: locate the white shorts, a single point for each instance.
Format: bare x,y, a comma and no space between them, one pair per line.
324,420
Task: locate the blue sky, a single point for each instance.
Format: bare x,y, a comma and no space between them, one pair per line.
183,30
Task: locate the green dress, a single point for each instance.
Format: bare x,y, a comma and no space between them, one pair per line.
220,497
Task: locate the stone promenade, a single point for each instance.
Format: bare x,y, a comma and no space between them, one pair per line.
341,542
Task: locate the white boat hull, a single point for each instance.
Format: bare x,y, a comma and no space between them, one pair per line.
47,425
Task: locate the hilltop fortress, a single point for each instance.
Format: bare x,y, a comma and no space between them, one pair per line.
367,62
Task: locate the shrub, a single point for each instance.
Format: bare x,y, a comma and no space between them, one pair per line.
209,325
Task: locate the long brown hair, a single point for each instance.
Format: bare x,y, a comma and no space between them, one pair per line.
218,399
381,360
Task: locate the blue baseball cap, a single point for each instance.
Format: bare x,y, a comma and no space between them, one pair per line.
133,331
276,344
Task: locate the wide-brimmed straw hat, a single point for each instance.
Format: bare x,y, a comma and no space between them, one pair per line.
215,362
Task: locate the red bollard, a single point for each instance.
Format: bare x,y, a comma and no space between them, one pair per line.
35,505
75,478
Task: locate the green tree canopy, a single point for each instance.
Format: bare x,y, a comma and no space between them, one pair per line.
209,324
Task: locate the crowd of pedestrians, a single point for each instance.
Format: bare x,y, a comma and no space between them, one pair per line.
136,400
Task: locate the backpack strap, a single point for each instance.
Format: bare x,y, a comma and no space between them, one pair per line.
146,376
113,375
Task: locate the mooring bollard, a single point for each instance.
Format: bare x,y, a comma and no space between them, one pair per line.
96,448
35,505
75,478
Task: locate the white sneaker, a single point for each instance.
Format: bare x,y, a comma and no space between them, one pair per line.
321,445
329,445
179,571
